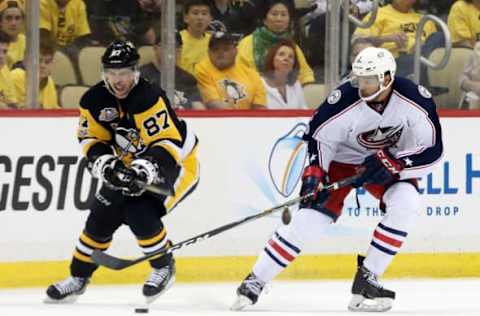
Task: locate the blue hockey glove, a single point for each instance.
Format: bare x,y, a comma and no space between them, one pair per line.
313,179
380,168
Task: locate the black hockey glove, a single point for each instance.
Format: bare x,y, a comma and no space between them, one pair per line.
380,168
144,173
313,179
113,172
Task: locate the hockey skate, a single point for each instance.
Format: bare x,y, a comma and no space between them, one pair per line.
66,291
368,294
248,292
159,281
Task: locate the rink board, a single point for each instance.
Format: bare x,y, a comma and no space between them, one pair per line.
44,192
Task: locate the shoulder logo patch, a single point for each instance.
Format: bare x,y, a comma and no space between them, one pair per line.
424,92
108,114
334,96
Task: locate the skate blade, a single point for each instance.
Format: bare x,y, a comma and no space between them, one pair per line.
67,300
240,303
150,299
359,303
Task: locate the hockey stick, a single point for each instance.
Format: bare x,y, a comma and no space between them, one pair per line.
111,262
157,188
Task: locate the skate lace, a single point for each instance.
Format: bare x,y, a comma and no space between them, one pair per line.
372,279
69,285
158,275
254,284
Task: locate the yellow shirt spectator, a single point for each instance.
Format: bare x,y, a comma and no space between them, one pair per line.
238,85
16,50
48,94
7,92
246,58
66,24
391,21
194,50
464,23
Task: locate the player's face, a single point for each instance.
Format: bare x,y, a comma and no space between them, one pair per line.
46,63
12,21
278,18
368,85
284,59
223,55
3,54
197,19
120,80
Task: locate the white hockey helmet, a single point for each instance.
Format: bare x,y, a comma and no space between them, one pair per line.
374,62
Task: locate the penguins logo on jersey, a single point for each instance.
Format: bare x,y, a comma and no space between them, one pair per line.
381,137
235,91
128,140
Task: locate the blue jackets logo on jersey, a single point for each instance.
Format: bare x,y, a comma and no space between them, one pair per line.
381,137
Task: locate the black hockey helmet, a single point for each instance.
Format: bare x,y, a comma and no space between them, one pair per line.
120,54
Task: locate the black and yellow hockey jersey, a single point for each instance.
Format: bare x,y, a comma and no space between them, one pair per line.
142,125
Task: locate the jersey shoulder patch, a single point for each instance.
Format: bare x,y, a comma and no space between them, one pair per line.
424,92
343,95
334,96
416,93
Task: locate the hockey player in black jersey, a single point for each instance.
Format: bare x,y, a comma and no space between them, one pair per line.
132,139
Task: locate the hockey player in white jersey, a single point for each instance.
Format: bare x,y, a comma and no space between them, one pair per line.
387,130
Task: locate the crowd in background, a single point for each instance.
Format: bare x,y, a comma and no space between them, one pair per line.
230,54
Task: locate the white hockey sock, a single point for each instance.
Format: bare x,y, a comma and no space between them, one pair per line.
384,246
286,243
402,204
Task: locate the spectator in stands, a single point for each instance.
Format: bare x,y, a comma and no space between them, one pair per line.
187,95
464,23
238,16
470,80
197,17
7,92
280,78
277,22
223,82
394,29
66,21
48,93
12,23
133,20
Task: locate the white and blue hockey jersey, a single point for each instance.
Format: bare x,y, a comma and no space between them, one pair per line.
347,130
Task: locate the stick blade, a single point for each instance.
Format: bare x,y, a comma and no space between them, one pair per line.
103,259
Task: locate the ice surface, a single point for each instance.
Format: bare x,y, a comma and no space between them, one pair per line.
414,297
